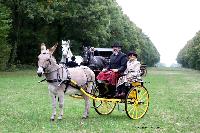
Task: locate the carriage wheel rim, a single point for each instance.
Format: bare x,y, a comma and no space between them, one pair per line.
104,107
139,104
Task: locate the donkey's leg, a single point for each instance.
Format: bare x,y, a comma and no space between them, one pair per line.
87,102
53,107
61,104
87,107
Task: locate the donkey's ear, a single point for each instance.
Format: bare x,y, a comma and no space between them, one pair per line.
43,47
52,49
68,42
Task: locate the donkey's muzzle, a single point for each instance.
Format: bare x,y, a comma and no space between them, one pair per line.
39,74
40,71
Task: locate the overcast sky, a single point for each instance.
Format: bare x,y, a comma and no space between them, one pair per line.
168,23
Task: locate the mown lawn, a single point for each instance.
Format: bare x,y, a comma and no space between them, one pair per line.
25,106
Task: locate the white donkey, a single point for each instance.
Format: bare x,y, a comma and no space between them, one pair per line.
66,52
55,74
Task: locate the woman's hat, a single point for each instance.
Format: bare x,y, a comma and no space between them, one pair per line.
117,44
132,53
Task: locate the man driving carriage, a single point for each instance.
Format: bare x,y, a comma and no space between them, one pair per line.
111,73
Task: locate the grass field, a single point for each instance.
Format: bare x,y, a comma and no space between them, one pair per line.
25,106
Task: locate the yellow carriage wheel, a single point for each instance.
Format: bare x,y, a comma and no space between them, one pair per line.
103,107
137,102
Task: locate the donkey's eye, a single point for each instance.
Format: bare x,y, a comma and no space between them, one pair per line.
43,53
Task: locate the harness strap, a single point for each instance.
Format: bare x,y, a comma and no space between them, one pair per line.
62,72
42,80
86,84
58,74
54,80
87,75
68,74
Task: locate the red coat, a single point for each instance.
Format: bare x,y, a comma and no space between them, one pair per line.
109,76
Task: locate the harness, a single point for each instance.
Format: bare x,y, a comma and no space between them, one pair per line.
88,80
68,80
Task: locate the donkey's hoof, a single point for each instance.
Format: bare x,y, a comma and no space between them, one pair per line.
52,119
84,117
60,117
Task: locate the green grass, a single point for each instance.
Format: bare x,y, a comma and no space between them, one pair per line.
25,106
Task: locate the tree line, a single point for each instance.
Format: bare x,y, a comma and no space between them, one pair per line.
189,56
98,23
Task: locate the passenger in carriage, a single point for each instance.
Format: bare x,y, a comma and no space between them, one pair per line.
72,63
111,73
131,74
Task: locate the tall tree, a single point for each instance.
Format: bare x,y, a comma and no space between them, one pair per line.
5,25
97,23
189,56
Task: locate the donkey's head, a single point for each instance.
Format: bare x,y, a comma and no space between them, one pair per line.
45,59
66,52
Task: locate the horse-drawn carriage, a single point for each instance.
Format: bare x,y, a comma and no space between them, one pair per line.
136,99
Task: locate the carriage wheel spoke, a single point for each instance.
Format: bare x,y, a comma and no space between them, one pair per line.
133,111
140,97
136,112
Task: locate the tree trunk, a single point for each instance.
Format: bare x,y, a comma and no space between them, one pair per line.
16,29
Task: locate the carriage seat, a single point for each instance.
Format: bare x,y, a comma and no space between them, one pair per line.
127,81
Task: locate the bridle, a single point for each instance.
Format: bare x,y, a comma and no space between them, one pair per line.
45,66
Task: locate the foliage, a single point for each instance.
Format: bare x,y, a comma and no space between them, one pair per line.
189,56
4,31
96,23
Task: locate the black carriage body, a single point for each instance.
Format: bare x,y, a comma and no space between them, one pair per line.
104,52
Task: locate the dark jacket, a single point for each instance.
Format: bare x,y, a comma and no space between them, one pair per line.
72,64
118,62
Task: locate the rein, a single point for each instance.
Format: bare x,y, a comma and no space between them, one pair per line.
53,80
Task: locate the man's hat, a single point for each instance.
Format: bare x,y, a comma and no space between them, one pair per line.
132,53
116,44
